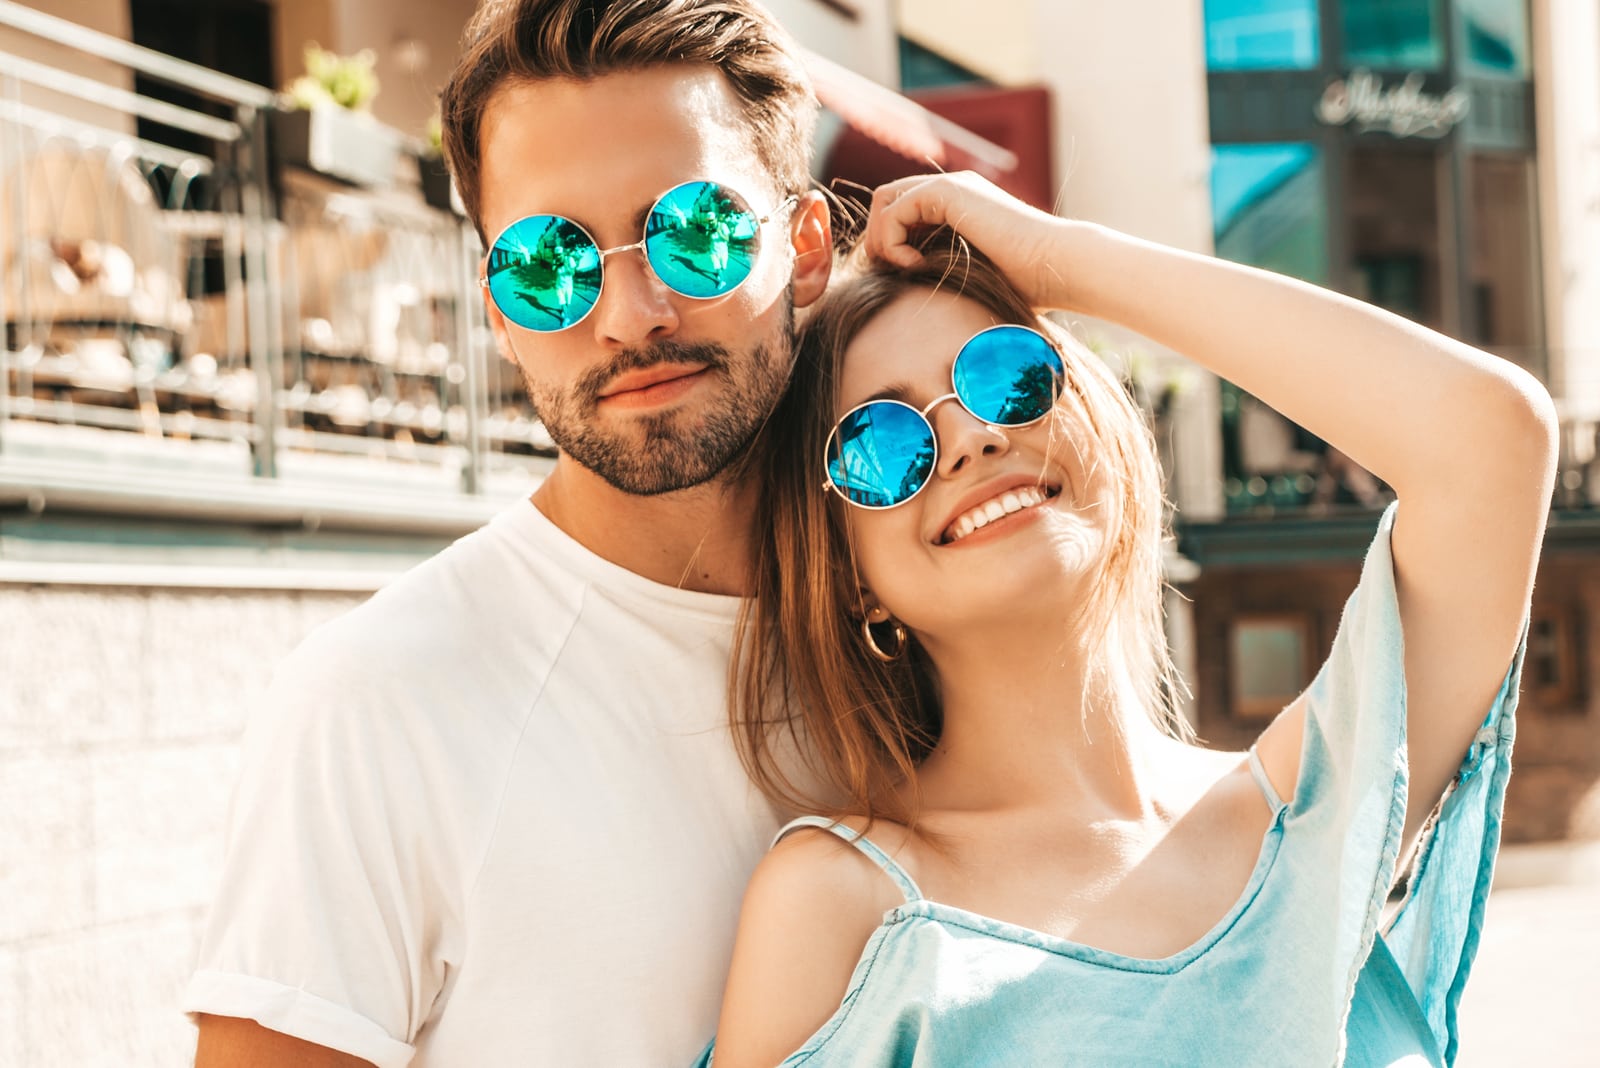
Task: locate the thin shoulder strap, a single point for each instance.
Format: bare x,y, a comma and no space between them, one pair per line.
1259,773
907,886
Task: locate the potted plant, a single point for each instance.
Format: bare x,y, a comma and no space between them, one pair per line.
324,123
437,190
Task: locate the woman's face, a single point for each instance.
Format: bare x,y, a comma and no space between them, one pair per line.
928,561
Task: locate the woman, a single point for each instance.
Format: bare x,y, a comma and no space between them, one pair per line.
1020,856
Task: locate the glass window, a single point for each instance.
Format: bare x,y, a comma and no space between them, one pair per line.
1553,671
1262,35
1507,313
1393,34
1268,661
923,68
1395,214
1495,36
1269,207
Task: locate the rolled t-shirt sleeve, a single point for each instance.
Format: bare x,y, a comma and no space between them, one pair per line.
333,918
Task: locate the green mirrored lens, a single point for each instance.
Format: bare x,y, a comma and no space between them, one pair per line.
544,273
1008,375
881,454
701,239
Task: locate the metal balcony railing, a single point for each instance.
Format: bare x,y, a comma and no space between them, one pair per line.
207,331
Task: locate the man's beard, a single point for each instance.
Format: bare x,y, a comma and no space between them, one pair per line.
671,450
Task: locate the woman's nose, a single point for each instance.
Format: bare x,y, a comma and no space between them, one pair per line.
963,437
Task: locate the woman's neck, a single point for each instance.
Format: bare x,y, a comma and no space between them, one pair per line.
1027,723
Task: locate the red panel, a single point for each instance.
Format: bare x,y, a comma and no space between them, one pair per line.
1016,119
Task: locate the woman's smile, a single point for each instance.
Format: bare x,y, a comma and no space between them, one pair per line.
1002,511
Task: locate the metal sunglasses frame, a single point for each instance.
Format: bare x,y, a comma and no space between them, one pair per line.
829,484
483,279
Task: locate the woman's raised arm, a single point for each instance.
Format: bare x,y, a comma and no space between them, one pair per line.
1467,440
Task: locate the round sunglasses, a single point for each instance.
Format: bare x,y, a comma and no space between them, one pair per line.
882,453
545,272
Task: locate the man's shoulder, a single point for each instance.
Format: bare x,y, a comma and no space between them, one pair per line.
463,595
480,619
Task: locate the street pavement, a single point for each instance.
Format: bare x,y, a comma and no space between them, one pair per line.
1534,995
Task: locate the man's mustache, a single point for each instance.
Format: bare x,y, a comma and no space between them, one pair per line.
593,382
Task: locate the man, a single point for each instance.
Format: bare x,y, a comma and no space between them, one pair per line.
494,816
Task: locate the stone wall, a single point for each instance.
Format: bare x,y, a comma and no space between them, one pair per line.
120,711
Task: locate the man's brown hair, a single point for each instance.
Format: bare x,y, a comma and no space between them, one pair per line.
530,40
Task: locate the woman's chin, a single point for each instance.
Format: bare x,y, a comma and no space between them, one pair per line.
1035,592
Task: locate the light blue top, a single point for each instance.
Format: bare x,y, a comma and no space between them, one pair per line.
1297,972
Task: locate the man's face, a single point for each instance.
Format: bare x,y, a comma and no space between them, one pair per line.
653,391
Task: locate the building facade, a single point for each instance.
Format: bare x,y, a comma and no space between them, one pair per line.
1426,156
1439,158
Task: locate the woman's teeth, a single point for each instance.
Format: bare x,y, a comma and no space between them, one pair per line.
996,508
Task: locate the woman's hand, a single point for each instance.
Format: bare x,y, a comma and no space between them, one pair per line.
1027,244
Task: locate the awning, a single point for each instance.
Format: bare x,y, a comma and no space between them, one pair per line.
901,124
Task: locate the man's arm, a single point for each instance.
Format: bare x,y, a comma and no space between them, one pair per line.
330,866
229,1042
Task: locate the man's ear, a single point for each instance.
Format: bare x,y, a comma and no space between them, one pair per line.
811,235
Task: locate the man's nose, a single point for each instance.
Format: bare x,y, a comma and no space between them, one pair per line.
635,306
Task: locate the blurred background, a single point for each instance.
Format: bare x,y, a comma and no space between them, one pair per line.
245,379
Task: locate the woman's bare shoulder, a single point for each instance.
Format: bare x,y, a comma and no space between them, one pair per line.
811,906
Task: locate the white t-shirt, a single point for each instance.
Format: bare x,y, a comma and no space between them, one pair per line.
492,816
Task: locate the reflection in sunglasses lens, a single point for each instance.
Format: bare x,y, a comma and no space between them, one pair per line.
544,273
701,239
1009,375
881,454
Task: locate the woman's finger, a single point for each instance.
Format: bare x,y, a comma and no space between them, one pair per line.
1017,237
886,230
899,207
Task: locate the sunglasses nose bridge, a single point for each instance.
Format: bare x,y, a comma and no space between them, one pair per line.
927,412
607,253
928,416
651,277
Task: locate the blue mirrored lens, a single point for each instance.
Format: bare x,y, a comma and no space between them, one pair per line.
1008,376
701,239
544,273
881,454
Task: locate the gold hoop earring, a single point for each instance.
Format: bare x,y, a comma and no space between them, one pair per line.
872,642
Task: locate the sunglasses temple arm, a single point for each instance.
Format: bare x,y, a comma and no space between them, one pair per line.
792,198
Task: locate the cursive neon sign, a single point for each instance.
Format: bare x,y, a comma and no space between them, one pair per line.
1363,102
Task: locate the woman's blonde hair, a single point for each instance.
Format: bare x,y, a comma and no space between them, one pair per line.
804,686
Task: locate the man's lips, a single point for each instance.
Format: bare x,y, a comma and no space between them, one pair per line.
653,384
